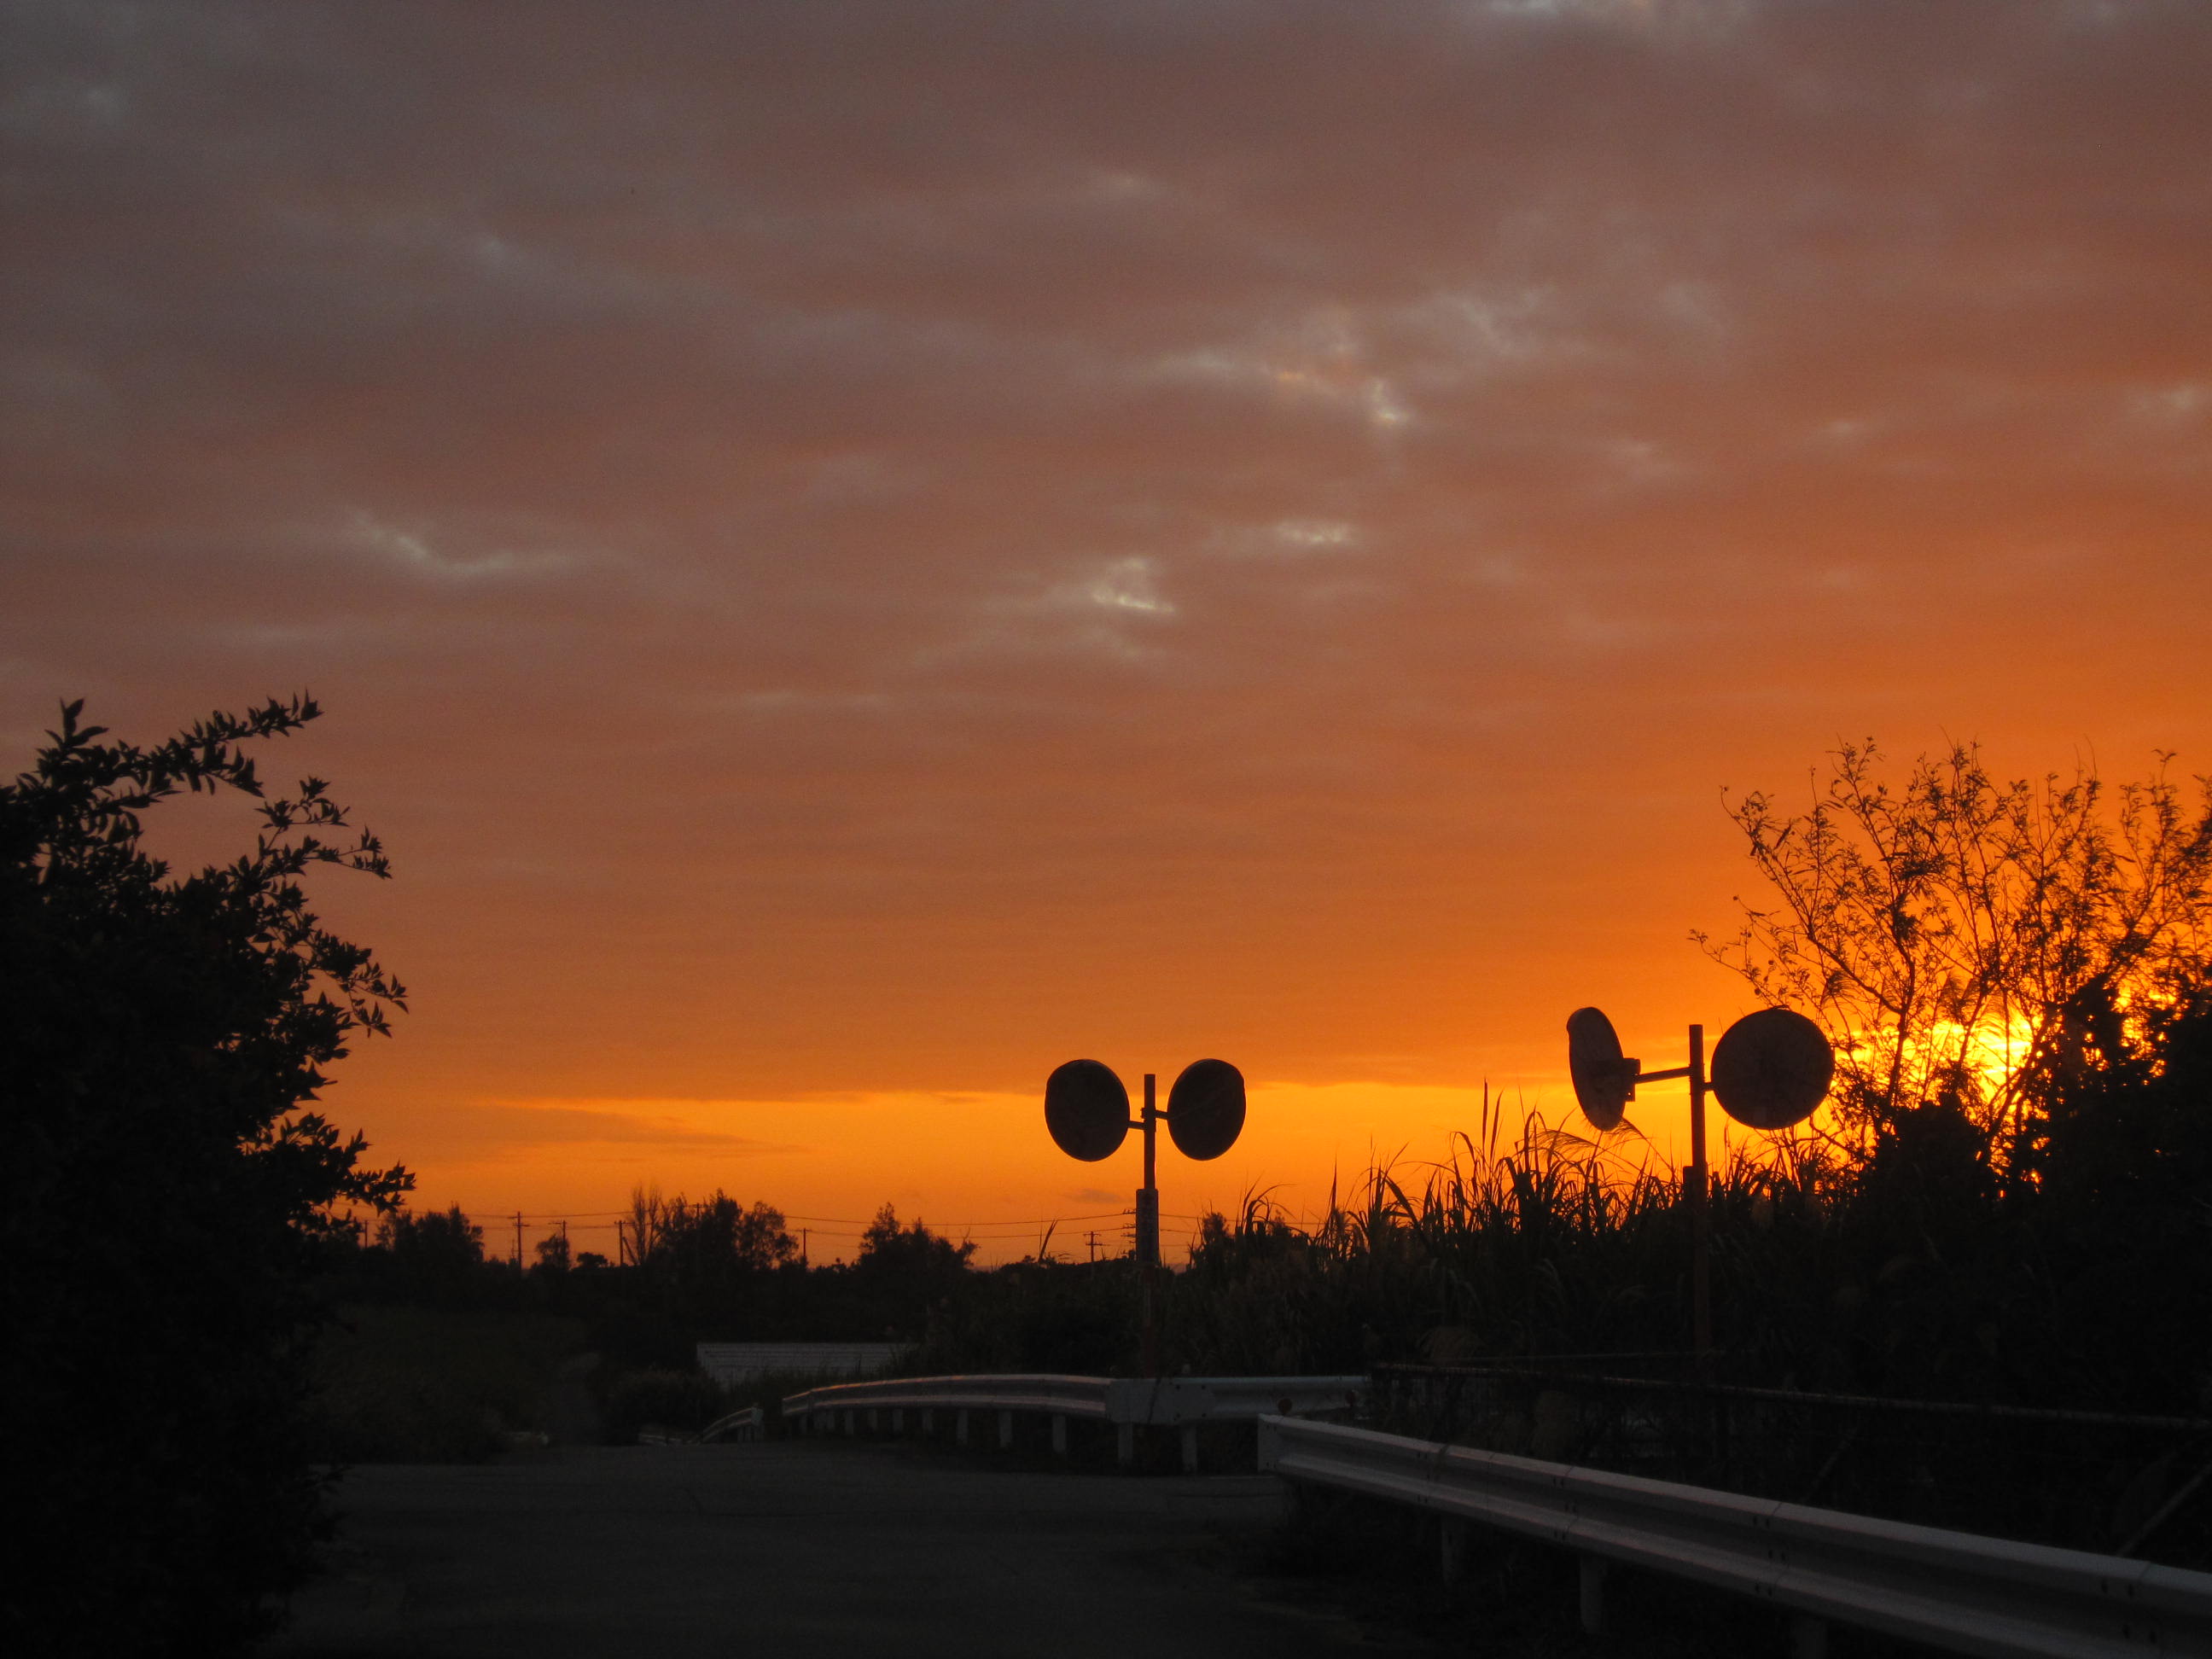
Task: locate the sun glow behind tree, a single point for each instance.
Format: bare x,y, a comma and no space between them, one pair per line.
1943,931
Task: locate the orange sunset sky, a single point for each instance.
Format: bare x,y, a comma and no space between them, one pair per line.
854,552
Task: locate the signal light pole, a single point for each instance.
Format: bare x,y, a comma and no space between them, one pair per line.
1086,1110
1770,1070
1699,1194
1148,1232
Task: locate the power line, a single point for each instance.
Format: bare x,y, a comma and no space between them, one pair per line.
605,1218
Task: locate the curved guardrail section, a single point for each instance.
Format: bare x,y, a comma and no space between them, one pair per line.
747,1424
1128,1403
1061,1396
1951,1590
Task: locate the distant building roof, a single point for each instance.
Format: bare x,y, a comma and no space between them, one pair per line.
740,1362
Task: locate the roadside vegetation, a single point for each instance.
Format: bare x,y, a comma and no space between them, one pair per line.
397,1384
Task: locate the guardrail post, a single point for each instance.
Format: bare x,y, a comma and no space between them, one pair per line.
1593,1593
1190,1449
1059,1437
928,1422
1452,1548
852,1424
1006,1431
1124,1443
960,1427
1809,1637
898,1420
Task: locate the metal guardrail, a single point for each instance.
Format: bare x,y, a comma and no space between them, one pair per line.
1957,1590
2107,1482
1128,1403
748,1424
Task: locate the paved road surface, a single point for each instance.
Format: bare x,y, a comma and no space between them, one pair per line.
795,1549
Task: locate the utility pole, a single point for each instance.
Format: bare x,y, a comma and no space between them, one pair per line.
518,1241
802,1246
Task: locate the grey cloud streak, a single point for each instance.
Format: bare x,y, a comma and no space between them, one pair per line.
815,477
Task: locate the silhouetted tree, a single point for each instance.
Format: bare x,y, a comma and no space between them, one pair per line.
714,1241
437,1258
552,1254
707,1267
164,1198
888,1248
902,1272
1939,931
718,1240
2117,1186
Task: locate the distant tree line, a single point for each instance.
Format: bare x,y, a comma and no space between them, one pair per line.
699,1270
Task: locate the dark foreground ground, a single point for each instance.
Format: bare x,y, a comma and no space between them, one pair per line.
821,1549
795,1548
